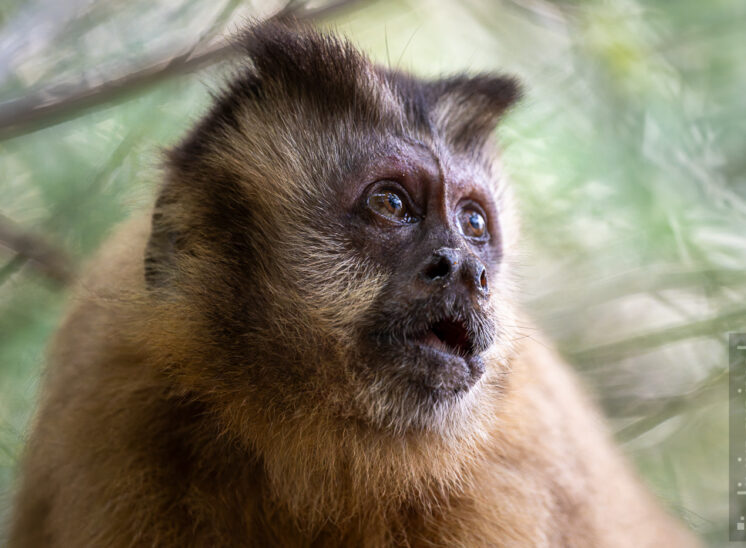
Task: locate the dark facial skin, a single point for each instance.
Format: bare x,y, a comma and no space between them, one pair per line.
432,223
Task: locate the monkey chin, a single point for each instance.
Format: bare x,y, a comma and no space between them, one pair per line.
405,404
429,378
440,373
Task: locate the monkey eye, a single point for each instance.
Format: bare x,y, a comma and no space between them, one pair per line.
390,205
473,224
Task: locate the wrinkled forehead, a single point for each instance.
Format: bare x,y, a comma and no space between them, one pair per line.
375,120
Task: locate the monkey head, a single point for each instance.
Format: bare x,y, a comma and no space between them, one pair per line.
337,236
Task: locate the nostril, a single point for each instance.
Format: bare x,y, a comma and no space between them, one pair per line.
483,280
440,268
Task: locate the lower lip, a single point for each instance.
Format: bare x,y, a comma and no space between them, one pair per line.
453,370
444,356
438,348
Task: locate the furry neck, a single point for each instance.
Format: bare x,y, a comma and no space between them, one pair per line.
319,473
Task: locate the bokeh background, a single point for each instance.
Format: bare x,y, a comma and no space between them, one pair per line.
627,156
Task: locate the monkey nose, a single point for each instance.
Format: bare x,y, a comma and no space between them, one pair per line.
476,276
445,265
441,266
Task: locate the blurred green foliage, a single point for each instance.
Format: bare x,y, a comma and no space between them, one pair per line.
627,156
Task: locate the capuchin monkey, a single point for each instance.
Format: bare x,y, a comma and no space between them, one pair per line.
314,339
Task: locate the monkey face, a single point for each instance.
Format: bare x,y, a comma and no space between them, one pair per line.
341,231
430,220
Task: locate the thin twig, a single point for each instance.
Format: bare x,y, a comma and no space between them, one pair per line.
56,104
34,250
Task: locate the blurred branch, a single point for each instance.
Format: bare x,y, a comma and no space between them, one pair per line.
632,283
30,248
632,405
709,391
615,351
12,266
59,103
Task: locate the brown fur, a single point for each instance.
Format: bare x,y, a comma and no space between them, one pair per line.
205,388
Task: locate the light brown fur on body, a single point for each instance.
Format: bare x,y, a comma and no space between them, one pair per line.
206,388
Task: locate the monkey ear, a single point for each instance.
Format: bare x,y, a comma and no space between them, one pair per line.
467,108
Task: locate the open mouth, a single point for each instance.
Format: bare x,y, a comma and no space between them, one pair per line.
436,354
448,335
